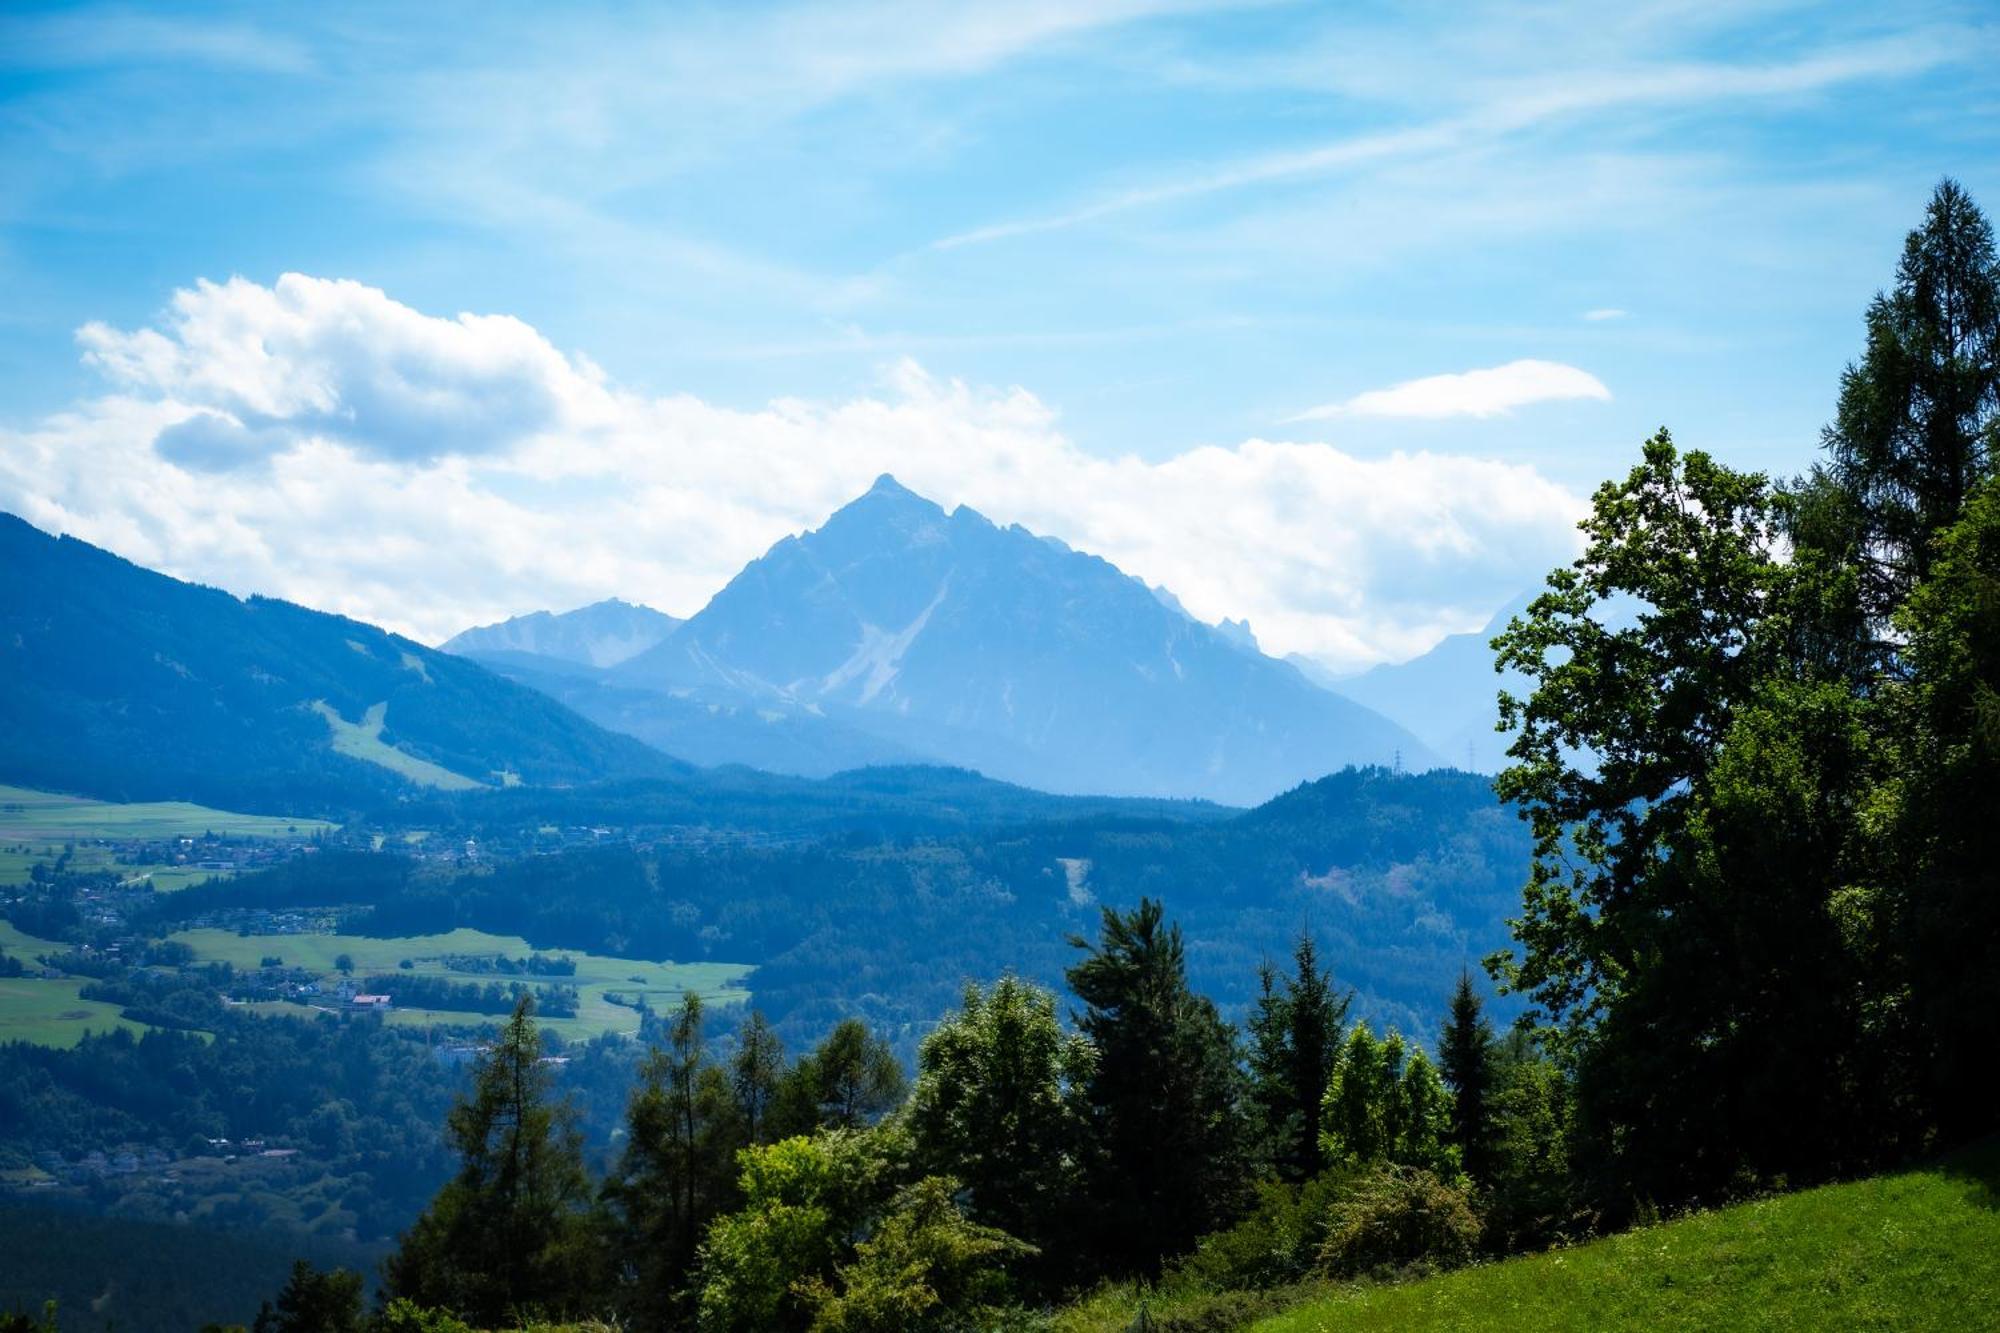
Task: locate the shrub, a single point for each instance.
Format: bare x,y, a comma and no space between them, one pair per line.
1395,1216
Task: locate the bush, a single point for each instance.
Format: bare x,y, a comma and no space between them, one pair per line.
1396,1216
1276,1243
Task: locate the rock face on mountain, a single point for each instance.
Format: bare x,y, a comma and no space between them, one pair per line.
602,634
1000,650
127,684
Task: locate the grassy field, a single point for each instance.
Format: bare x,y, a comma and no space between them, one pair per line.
51,1013
1917,1250
42,818
363,740
661,983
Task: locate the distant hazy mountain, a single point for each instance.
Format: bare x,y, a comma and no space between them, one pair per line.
1449,696
123,683
709,727
602,634
1010,653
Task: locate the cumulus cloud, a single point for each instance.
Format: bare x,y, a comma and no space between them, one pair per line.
1492,392
321,441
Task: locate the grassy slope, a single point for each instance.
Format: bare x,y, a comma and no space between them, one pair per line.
1919,1250
363,740
39,817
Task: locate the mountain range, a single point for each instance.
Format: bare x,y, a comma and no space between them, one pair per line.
1449,696
126,684
898,632
602,634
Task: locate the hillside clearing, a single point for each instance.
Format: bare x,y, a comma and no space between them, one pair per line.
1916,1250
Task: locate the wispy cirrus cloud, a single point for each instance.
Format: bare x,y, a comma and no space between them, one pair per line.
1491,392
1508,110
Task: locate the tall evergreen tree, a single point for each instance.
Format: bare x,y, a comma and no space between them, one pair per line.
678,1168
1167,1160
1294,1038
511,1233
1466,1063
1918,424
755,1071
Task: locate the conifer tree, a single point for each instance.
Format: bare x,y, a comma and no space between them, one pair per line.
1918,423
1465,1060
1165,1123
678,1168
510,1233
1294,1038
755,1072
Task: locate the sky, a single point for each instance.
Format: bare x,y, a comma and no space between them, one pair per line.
1327,316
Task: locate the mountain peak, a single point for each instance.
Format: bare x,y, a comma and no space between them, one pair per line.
886,484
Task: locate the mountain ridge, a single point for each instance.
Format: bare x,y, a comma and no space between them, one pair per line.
999,649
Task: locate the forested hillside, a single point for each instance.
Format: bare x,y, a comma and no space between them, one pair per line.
125,684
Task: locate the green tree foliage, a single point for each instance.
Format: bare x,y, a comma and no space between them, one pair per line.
1398,1215
1294,1038
1358,1102
1465,1061
1915,430
805,1202
511,1234
1760,901
684,1127
848,1081
314,1302
1690,777
998,1105
755,1071
1527,1192
1166,1134
927,1267
1386,1103
1942,913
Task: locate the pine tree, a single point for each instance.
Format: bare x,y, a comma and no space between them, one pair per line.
678,1168
754,1074
1294,1037
1167,1160
1424,1111
1918,424
511,1232
1465,1060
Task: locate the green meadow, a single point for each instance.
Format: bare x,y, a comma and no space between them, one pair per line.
45,817
51,1013
597,976
1916,1250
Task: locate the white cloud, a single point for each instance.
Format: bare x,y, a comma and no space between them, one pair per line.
1602,313
320,441
1492,392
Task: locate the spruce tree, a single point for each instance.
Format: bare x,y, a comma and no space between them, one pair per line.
510,1233
1167,1141
1465,1060
755,1072
1918,421
678,1168
1294,1037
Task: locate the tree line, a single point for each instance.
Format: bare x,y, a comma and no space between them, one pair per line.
1027,1159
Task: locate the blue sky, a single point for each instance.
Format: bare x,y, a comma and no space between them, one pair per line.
1173,227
